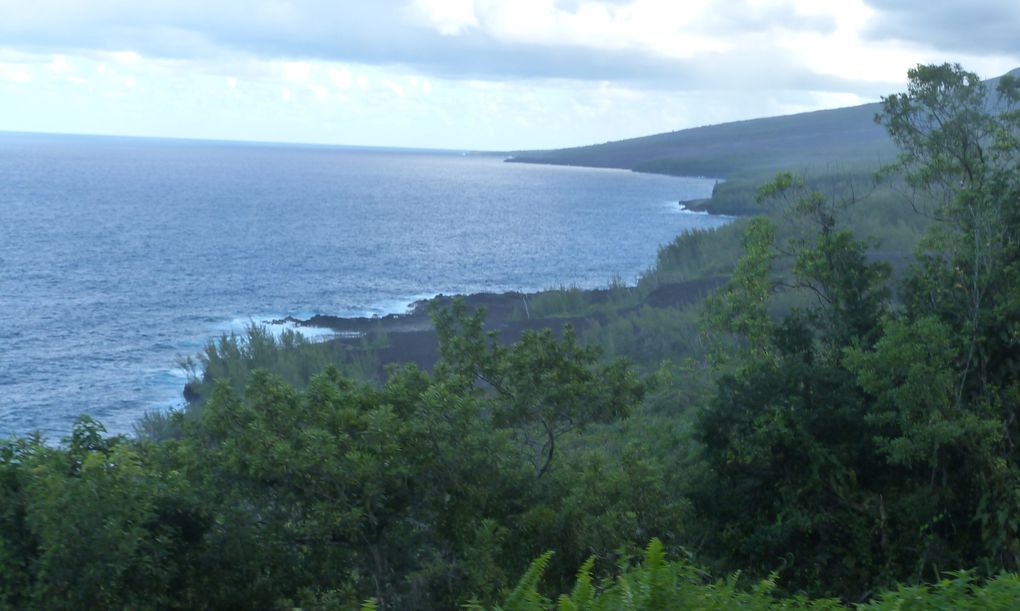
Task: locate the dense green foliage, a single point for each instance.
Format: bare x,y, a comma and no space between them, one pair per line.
834,421
865,443
419,492
658,583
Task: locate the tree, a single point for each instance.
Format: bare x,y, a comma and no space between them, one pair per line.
741,307
796,475
960,151
90,531
540,387
369,491
946,375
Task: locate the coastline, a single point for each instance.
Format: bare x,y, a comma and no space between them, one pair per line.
731,200
374,343
410,337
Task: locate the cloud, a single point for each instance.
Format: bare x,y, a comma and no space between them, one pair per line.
745,16
450,17
974,26
656,42
473,73
297,72
396,88
341,78
15,74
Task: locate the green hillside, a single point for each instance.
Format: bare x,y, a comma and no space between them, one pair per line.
807,142
739,147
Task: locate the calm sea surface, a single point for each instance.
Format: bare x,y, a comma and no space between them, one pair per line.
117,255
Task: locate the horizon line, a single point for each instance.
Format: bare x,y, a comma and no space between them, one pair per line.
253,142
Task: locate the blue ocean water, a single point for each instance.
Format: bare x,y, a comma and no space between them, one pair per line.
117,255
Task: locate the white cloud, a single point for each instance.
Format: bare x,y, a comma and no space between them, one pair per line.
448,17
15,73
396,88
341,77
59,64
662,27
125,57
476,73
296,72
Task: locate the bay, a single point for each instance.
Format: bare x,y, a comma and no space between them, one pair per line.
118,254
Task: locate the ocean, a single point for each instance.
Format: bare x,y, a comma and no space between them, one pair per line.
117,255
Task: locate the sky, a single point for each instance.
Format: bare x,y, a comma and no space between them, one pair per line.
468,74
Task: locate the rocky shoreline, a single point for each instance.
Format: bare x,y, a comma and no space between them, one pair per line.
410,337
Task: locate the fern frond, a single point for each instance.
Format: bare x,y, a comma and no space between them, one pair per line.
369,605
583,595
525,596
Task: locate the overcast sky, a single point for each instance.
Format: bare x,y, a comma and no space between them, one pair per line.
468,74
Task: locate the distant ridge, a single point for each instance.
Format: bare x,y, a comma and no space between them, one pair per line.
728,148
846,136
